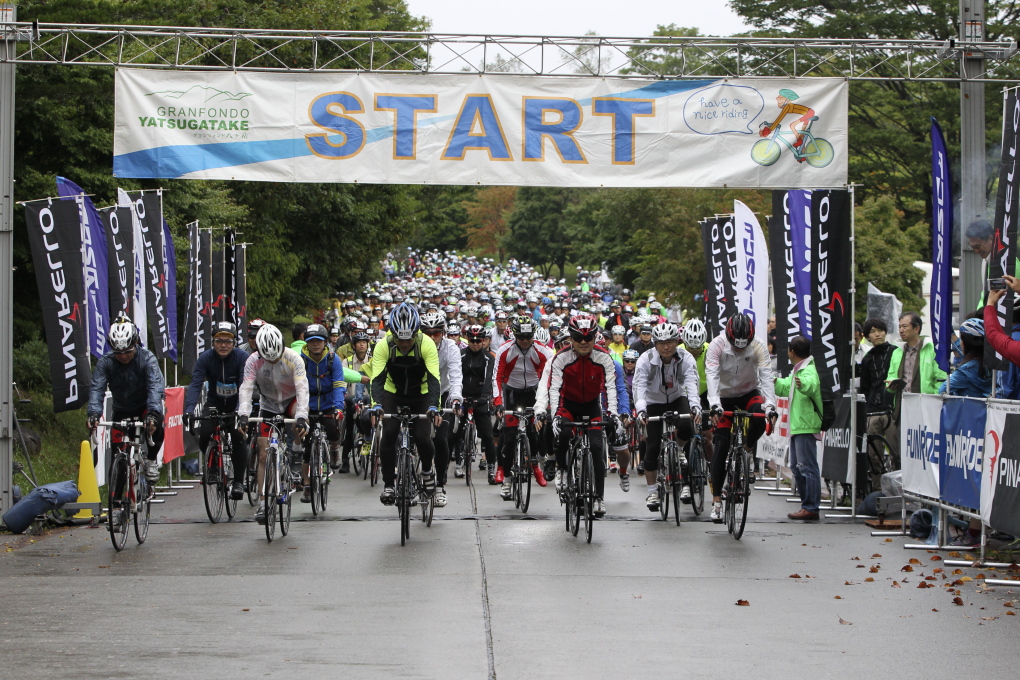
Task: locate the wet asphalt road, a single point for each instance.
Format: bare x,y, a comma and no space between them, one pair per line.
487,593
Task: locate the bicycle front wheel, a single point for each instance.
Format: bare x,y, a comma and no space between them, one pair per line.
588,491
523,473
251,474
404,491
270,492
676,482
470,446
118,515
742,491
696,475
765,152
212,477
285,496
375,455
142,510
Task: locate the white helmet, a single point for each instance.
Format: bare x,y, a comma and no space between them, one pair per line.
123,335
665,331
695,334
541,336
270,342
618,330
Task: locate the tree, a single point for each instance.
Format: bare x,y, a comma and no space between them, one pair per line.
886,252
487,220
539,227
586,58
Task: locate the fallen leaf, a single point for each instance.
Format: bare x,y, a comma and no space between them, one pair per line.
957,572
855,558
844,623
958,601
954,553
989,618
936,558
637,597
873,570
861,566
922,584
930,578
907,567
838,597
914,560
876,555
933,609
794,575
104,566
957,582
246,609
888,540
1010,613
847,583
895,584
937,570
1007,604
869,580
980,575
966,579
743,603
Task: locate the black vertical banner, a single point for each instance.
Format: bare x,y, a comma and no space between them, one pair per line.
188,338
54,232
1007,212
120,245
832,318
149,207
229,278
783,286
206,316
219,294
720,242
240,270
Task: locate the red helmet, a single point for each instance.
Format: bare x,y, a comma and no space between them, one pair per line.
583,327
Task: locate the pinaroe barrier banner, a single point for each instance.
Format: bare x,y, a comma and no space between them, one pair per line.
173,425
120,258
719,238
995,428
775,447
93,237
54,235
752,269
962,452
920,443
941,290
1000,506
783,284
1007,211
831,274
388,128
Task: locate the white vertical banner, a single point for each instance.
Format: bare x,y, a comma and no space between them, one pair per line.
138,310
995,424
920,445
752,269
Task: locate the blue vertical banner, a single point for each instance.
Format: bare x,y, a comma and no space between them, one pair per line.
94,258
170,270
963,443
941,248
800,238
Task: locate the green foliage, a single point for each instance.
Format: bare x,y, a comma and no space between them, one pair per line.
885,253
539,232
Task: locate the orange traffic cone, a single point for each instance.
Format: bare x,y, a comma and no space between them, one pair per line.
87,484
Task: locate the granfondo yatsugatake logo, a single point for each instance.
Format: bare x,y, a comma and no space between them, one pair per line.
198,108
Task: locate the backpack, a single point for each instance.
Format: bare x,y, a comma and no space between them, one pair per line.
828,412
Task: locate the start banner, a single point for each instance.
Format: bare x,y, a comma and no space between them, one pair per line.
490,130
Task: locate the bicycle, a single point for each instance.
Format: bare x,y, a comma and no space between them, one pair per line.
469,439
670,475
739,473
129,493
879,456
218,469
374,455
697,475
520,467
318,465
409,488
276,477
579,490
817,152
251,486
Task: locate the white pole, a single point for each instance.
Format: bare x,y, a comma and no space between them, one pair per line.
853,364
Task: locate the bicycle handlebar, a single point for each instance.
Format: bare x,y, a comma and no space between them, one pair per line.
671,415
123,424
747,414
588,424
276,420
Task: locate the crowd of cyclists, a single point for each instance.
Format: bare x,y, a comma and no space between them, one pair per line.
443,332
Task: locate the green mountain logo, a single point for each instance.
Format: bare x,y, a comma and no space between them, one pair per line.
210,94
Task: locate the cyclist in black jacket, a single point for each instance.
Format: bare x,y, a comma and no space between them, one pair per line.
477,364
221,369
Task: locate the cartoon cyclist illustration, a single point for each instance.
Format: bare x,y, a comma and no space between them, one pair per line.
805,146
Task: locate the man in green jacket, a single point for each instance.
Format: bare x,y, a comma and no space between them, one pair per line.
914,363
804,390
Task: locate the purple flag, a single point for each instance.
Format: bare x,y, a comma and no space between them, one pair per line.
800,237
97,284
941,248
170,267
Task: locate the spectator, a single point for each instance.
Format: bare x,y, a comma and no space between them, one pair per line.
298,331
805,394
1008,381
970,379
914,363
981,239
997,338
878,400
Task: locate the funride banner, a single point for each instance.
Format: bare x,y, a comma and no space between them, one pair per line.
490,130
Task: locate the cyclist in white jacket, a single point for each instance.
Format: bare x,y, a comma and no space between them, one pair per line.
739,375
665,380
451,381
280,374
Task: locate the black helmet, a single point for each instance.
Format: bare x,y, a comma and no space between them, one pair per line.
740,330
523,326
253,327
316,330
225,327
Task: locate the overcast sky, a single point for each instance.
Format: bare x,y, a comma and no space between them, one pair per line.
637,18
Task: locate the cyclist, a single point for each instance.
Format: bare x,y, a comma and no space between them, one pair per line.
279,374
616,318
498,332
665,380
616,431
519,367
694,337
785,103
572,387
327,394
253,329
644,341
360,360
630,357
477,367
221,370
739,373
132,375
405,372
619,343
433,324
